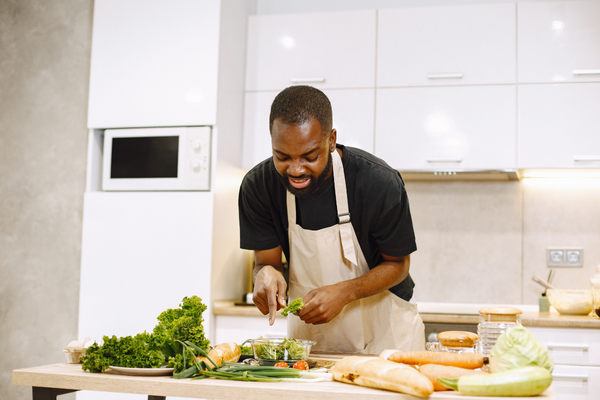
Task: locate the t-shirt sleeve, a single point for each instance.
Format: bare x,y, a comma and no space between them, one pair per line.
393,230
257,226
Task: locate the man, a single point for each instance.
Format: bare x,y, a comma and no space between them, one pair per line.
342,219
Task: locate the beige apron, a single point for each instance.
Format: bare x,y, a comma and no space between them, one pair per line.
331,255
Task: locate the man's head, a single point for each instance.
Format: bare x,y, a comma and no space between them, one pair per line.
302,138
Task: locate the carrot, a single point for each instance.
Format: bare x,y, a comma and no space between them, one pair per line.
462,360
435,371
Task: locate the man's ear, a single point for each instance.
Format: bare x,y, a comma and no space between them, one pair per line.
332,140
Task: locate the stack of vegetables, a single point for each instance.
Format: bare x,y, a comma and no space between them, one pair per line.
520,366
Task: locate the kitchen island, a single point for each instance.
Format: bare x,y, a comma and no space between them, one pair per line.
50,381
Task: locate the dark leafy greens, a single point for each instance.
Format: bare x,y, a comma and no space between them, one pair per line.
151,350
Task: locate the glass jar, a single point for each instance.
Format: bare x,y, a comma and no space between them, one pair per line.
494,321
458,341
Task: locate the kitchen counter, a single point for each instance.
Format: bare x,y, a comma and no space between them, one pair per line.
51,380
452,313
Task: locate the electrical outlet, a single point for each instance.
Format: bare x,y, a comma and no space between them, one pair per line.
564,257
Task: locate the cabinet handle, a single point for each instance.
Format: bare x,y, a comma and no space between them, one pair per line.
444,160
307,80
583,347
570,377
586,158
586,71
455,75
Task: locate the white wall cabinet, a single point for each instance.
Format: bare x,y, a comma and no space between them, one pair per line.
447,128
559,41
154,63
353,118
325,50
449,45
559,125
576,355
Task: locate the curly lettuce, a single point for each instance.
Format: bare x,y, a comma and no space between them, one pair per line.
294,306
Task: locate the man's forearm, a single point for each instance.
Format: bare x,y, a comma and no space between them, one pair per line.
387,274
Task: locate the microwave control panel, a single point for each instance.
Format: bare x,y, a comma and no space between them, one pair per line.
198,150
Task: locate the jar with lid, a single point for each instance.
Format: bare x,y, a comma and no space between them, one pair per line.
458,341
595,288
494,321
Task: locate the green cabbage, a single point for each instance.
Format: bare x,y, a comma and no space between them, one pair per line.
516,348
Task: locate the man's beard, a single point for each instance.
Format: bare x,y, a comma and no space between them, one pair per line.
315,182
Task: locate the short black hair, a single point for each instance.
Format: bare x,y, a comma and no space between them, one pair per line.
298,104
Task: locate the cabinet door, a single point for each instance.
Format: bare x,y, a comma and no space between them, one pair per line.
574,382
447,128
466,44
559,41
353,118
326,50
154,63
559,125
570,346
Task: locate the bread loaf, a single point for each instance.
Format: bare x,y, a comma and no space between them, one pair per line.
377,373
221,353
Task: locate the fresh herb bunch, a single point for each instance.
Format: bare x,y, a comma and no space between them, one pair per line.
139,351
151,350
289,349
294,306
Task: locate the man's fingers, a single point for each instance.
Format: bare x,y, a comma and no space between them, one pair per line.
272,300
281,286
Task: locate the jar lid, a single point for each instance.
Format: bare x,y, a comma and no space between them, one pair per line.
457,338
500,310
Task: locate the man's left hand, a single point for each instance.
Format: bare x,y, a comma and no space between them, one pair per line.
323,304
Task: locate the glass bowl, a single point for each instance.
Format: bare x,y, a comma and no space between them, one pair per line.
273,350
570,302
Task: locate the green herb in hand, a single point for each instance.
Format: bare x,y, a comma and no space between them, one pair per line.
292,307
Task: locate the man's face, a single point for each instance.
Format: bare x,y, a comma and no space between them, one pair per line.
302,155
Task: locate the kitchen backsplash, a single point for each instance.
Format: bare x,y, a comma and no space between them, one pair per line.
481,242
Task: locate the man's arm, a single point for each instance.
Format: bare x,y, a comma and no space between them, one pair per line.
324,303
269,284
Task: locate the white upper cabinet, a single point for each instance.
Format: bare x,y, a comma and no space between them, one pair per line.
559,41
353,118
154,63
448,45
559,125
447,128
329,50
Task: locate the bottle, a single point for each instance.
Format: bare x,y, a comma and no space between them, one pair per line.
544,303
595,289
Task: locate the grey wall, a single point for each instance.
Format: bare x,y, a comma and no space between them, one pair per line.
44,70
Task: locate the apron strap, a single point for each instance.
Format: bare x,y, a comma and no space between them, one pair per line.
341,199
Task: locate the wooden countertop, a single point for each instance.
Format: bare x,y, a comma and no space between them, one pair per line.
463,316
72,377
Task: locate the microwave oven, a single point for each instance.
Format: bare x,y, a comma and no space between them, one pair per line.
156,159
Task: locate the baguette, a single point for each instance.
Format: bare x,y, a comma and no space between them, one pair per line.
381,374
462,360
435,371
222,353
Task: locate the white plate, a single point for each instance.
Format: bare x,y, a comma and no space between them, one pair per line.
142,371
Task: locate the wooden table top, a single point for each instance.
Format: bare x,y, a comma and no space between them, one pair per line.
71,376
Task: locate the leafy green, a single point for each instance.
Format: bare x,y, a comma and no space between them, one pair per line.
289,349
517,347
162,346
294,306
139,351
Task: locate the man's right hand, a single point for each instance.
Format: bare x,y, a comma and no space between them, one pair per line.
269,291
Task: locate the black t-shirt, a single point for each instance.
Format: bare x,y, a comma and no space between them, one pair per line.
377,200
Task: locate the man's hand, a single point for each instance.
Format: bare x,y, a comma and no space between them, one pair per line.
323,304
269,291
